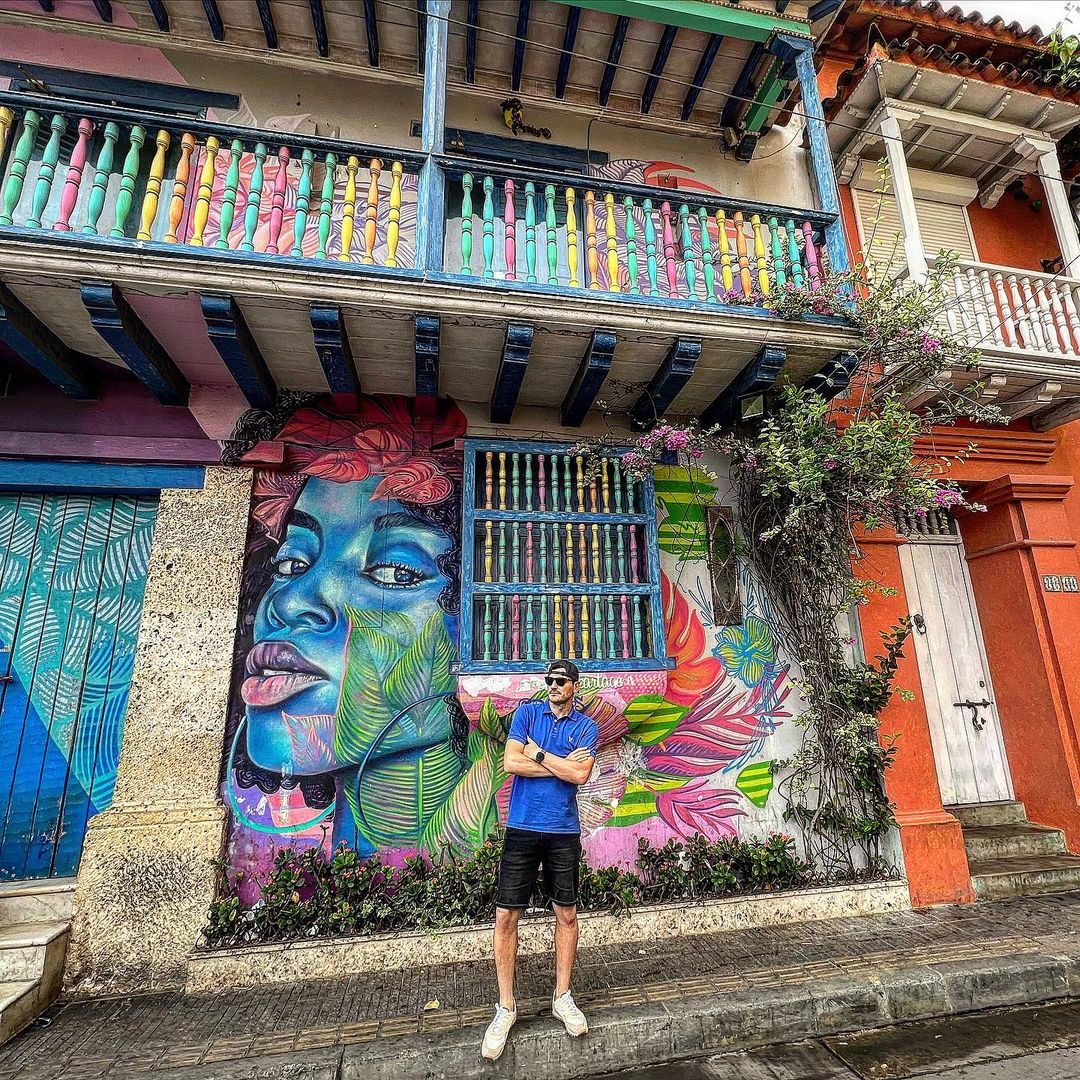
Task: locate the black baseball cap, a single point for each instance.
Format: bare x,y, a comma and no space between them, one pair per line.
564,667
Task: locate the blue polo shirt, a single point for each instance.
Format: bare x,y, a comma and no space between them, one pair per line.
546,803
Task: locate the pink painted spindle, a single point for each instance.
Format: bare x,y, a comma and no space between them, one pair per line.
813,266
633,554
510,240
625,628
669,252
515,622
74,176
277,204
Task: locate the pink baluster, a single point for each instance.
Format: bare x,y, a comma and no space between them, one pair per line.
813,265
511,233
70,194
633,555
277,205
515,653
625,628
669,252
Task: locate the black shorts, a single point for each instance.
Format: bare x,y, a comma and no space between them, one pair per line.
523,854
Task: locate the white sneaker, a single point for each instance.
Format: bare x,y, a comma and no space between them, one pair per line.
497,1031
564,1009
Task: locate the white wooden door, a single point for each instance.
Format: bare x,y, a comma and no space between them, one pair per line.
968,746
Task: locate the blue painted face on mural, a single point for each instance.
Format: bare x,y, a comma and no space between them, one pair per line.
346,559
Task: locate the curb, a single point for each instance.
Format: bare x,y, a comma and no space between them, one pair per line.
658,1032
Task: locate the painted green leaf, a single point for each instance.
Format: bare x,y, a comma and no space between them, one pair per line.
637,804
756,782
652,718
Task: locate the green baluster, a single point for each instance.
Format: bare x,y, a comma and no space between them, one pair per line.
554,477
777,254
503,639
529,603
794,257
228,198
556,554
597,628
326,205
528,482
489,227
650,247
303,201
552,236
611,627
631,491
46,171
516,549
688,251
102,172
126,195
20,159
251,211
543,626
515,481
706,254
635,606
631,243
502,552
466,223
607,553
530,231
487,626
617,484
543,553
621,563
567,501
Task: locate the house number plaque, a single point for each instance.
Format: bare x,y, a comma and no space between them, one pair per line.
1061,583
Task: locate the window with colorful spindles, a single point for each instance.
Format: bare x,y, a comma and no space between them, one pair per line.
560,560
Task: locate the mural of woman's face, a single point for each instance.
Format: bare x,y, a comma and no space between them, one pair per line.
341,548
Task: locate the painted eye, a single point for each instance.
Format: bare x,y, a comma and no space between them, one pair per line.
290,567
394,575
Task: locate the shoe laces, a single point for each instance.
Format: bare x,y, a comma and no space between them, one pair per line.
503,1019
567,1002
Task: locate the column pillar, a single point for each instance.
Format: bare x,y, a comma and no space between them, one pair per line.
1049,170
905,196
146,879
931,837
431,195
1018,554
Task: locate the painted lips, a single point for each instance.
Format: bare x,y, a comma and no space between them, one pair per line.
277,671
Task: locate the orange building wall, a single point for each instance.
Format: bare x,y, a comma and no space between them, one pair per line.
1012,233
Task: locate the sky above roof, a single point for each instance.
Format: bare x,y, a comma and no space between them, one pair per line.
1045,14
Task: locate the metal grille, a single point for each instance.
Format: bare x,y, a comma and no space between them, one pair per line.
937,523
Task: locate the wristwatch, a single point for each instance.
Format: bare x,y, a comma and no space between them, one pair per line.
539,759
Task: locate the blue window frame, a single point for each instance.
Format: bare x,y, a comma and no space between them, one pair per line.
559,560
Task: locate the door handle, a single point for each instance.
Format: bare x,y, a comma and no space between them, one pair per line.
977,722
919,623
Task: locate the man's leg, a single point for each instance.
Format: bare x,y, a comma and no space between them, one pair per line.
566,942
506,945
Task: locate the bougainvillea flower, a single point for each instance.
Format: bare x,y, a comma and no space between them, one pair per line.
698,808
695,668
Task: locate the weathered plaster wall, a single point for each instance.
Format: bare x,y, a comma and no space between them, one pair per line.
145,878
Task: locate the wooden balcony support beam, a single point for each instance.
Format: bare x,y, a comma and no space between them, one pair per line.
421,36
472,32
744,86
663,50
333,349
611,66
122,329
511,373
589,380
371,29
104,10
521,36
160,13
834,377
229,334
427,358
24,333
266,17
755,379
573,17
1034,399
46,5
666,385
708,58
1062,412
213,19
318,24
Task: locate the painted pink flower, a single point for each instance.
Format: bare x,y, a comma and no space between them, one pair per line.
697,808
341,466
275,494
419,480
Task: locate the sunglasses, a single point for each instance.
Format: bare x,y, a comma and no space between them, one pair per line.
554,680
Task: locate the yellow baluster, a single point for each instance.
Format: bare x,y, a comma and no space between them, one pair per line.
393,230
759,254
605,486
153,187
580,484
571,626
584,601
569,553
7,118
206,187
502,479
371,215
572,238
349,210
723,242
558,628
612,246
591,257
180,183
596,552
489,547
489,479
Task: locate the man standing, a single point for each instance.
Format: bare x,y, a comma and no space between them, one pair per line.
550,753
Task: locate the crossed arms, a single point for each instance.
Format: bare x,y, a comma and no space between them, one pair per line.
520,760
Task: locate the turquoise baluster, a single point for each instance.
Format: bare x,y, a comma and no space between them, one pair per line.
707,254
46,171
126,195
617,485
554,482
487,626
597,628
489,227
326,205
631,244
515,481
251,211
530,231
611,627
688,251
552,236
621,564
567,500
503,546
20,159
529,603
543,553
631,492
228,198
635,605
777,254
543,626
303,202
650,247
556,555
466,223
515,563
607,553
528,482
794,257
102,172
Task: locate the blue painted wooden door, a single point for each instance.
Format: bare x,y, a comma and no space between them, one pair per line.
72,575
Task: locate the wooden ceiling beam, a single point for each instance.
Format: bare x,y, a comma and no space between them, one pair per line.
591,375
666,385
266,17
318,24
160,13
371,28
213,19
520,38
573,18
708,57
663,50
511,373
229,334
333,349
756,378
611,66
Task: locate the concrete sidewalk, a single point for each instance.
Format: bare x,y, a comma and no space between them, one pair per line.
647,1003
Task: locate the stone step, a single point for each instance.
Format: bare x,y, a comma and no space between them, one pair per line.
19,1004
987,842
995,813
47,900
28,950
999,879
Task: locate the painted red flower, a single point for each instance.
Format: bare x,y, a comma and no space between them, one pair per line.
419,480
341,466
697,808
275,494
696,669
387,445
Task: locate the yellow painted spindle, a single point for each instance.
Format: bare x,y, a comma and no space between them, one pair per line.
489,549
349,210
153,187
759,255
596,552
724,244
592,259
580,484
502,479
605,486
371,214
393,229
206,188
558,629
612,246
489,479
180,183
584,601
572,238
7,118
